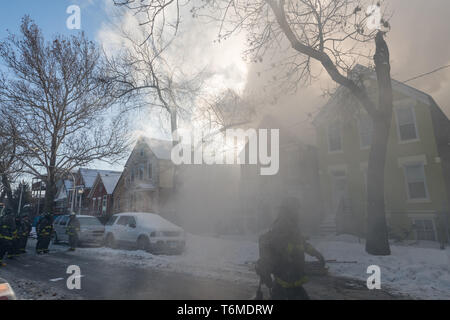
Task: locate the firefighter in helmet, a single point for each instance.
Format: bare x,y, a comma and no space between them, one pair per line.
73,227
44,230
281,266
7,227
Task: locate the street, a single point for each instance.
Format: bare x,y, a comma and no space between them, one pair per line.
100,280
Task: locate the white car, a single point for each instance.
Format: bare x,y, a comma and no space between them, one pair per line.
145,231
91,230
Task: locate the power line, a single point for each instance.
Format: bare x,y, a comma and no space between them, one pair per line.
428,73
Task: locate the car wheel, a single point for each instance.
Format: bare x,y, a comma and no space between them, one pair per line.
143,243
110,241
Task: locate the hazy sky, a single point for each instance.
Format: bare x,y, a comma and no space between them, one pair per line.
418,42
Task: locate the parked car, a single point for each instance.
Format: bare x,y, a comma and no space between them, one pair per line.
6,292
145,231
91,230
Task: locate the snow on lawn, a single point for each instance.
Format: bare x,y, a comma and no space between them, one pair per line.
226,259
421,272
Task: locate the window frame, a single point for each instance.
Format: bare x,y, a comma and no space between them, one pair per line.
339,125
433,225
408,195
411,106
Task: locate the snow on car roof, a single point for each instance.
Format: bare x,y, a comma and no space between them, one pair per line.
151,220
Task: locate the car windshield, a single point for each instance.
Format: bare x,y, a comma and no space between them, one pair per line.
90,221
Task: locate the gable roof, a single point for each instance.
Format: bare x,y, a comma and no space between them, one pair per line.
89,175
161,148
108,179
370,74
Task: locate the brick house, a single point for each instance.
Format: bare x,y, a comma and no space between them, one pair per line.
101,193
84,181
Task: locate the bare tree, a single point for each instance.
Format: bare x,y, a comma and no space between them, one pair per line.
10,166
61,105
333,33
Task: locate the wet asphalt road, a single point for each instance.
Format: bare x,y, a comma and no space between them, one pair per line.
101,280
105,281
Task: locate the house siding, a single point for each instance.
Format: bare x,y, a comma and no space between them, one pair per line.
400,211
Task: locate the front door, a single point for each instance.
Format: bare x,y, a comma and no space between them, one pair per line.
339,192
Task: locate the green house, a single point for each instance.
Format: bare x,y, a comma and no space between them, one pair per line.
417,173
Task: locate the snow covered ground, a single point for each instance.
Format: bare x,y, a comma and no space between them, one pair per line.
420,270
226,259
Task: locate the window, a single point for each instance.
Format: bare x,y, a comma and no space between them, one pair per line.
93,204
132,175
406,123
141,152
424,229
415,180
131,221
63,221
117,203
334,137
123,220
111,221
141,172
105,203
99,203
149,170
365,130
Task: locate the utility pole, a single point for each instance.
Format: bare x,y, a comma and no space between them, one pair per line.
20,200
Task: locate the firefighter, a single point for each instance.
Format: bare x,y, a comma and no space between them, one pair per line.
24,232
281,265
7,227
16,237
44,230
73,227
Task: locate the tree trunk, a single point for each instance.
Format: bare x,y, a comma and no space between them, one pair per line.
7,190
175,181
377,235
377,242
50,192
50,188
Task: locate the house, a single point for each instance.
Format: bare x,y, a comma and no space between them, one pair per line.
101,193
84,181
417,171
62,204
145,184
297,177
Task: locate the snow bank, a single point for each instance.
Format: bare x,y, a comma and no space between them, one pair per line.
421,272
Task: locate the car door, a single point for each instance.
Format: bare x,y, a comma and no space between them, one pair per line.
120,228
130,232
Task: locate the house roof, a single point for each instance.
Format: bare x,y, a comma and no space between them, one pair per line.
89,175
370,74
108,179
161,148
63,189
